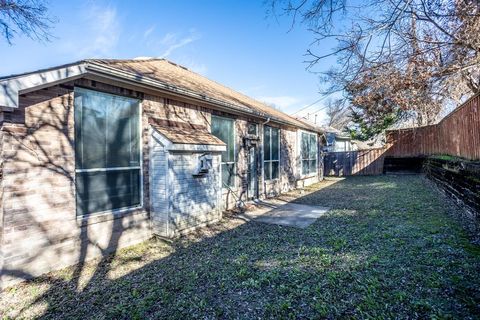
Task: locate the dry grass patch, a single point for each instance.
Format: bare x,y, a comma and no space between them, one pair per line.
388,249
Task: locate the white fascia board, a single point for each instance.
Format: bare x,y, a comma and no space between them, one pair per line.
166,143
197,147
11,88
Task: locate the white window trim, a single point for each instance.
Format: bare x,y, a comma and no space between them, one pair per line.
279,153
117,211
299,141
234,187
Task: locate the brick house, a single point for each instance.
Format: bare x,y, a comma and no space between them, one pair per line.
101,154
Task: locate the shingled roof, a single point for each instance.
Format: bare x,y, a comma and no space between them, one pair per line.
159,74
179,76
181,133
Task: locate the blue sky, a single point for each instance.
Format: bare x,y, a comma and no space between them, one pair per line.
233,42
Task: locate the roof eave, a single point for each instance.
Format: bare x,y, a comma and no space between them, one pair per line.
12,87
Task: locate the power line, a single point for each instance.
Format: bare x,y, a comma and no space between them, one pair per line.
311,104
316,110
307,116
319,109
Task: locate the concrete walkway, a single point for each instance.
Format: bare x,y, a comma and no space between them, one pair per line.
283,213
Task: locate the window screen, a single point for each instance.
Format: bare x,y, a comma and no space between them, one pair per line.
107,152
309,153
271,152
223,128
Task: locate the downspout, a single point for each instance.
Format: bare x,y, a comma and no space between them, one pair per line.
262,164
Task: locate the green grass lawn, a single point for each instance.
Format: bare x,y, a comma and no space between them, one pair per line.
387,249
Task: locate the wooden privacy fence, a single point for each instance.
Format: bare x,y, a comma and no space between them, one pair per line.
361,162
458,134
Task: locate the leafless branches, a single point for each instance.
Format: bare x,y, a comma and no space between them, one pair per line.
27,17
413,56
338,114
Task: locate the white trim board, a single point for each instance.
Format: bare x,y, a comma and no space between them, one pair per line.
11,88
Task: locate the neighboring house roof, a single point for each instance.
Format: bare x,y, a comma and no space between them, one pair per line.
326,129
158,74
331,129
338,134
307,122
362,145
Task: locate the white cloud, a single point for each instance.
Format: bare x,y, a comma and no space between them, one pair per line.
99,37
148,32
168,38
173,41
281,102
104,24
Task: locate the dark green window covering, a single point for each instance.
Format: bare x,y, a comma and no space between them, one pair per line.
271,153
99,191
107,151
309,153
224,129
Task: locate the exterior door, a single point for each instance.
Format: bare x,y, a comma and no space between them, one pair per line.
252,191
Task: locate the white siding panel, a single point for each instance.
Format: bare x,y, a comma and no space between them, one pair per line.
159,188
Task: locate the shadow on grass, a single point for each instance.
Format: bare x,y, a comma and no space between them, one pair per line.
386,249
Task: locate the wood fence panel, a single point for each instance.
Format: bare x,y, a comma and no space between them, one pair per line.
458,134
361,162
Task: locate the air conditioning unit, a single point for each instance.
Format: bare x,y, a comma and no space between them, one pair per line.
204,165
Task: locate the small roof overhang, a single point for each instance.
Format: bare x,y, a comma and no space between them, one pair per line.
184,139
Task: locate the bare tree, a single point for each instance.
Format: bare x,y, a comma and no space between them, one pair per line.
413,56
338,114
27,17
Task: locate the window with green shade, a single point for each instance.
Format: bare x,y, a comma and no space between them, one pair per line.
309,153
224,129
107,152
271,153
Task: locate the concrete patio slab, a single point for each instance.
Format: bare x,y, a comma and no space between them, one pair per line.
285,213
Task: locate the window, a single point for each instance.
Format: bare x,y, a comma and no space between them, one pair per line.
271,152
224,129
309,153
107,152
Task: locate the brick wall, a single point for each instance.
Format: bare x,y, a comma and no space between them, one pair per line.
39,229
289,160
